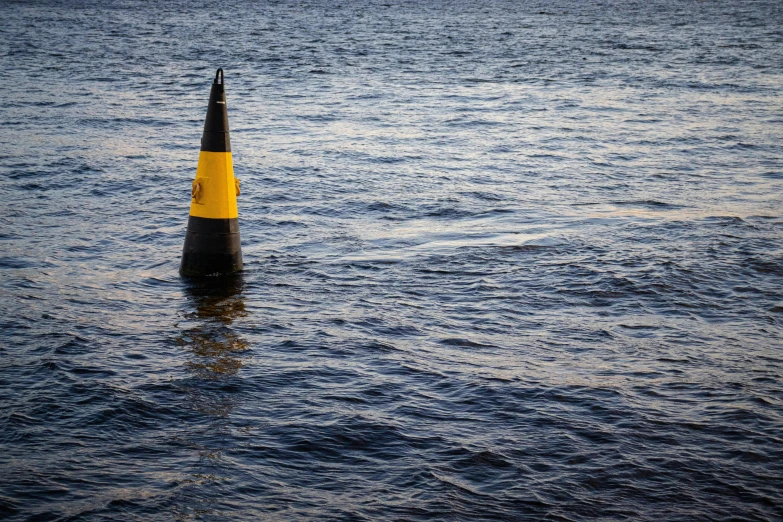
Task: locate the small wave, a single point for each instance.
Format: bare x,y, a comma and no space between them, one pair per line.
647,203
464,343
448,212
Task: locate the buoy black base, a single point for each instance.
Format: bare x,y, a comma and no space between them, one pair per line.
212,247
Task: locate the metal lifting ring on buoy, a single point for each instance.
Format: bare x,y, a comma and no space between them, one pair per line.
195,191
219,72
236,186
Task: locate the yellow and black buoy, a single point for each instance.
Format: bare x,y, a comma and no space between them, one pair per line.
212,244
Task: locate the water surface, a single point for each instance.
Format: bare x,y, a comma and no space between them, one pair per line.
504,261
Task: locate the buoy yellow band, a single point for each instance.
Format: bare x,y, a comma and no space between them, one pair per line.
214,189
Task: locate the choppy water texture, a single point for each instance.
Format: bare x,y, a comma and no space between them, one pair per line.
504,261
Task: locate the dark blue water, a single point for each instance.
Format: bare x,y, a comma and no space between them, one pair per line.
504,261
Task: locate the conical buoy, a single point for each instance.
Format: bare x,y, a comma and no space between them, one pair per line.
212,241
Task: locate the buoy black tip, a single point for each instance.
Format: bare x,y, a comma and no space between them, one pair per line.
212,245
